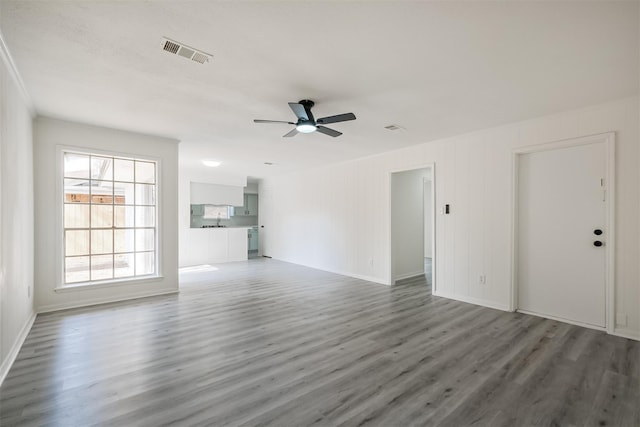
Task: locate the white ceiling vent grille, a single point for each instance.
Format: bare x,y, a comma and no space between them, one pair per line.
185,51
199,57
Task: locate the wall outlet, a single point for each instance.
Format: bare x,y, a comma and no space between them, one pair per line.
621,319
482,279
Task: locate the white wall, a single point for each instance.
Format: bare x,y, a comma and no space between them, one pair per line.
48,134
16,217
407,223
336,218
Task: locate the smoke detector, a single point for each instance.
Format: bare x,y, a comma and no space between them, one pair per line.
185,51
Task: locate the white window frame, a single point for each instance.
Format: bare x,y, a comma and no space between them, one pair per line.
61,285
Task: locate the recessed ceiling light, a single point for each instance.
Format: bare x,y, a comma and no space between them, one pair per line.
211,163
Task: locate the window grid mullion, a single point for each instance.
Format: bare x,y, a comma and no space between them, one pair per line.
113,218
135,214
90,217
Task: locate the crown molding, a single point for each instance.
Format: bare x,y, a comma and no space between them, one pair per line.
13,70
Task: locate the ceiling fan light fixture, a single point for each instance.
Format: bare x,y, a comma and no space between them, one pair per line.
306,128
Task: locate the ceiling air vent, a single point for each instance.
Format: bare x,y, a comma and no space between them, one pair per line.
199,57
170,46
185,51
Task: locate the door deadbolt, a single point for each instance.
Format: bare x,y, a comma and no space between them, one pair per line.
597,243
597,232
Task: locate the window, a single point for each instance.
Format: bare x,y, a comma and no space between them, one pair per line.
109,216
216,212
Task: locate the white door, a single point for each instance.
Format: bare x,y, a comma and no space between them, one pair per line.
561,210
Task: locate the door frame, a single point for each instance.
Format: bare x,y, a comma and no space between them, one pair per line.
432,166
608,139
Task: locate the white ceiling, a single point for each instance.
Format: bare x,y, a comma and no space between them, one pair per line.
435,68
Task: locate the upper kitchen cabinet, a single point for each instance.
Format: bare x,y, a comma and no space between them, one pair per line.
250,207
214,194
251,203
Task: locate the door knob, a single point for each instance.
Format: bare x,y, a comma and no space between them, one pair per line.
598,243
597,232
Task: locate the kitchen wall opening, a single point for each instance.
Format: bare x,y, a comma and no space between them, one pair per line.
236,218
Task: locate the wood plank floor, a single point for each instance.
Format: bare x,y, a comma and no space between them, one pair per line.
264,342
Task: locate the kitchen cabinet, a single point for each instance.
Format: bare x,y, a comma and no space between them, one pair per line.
250,207
214,194
253,239
251,203
197,210
214,245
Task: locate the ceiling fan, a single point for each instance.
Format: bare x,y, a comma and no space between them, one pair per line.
307,124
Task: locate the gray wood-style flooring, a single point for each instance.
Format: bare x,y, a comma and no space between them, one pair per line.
269,343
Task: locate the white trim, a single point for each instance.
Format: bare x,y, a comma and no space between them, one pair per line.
410,275
472,300
13,70
92,302
127,281
342,273
15,348
626,333
560,319
608,139
391,277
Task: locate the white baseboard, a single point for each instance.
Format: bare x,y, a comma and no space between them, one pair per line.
626,333
342,273
560,319
410,275
15,348
472,300
362,277
88,303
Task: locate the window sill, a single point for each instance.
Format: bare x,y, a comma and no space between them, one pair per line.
107,284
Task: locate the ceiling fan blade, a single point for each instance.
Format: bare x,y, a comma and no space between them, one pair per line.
299,110
293,132
335,119
272,121
328,131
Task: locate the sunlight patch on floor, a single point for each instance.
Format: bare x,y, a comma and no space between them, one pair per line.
198,269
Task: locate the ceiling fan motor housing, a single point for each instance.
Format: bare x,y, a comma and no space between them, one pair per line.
307,104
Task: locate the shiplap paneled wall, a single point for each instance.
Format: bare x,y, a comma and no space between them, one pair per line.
16,216
337,218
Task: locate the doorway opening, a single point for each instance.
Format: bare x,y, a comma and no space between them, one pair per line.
413,225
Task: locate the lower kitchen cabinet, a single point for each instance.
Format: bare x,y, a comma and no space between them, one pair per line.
211,245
